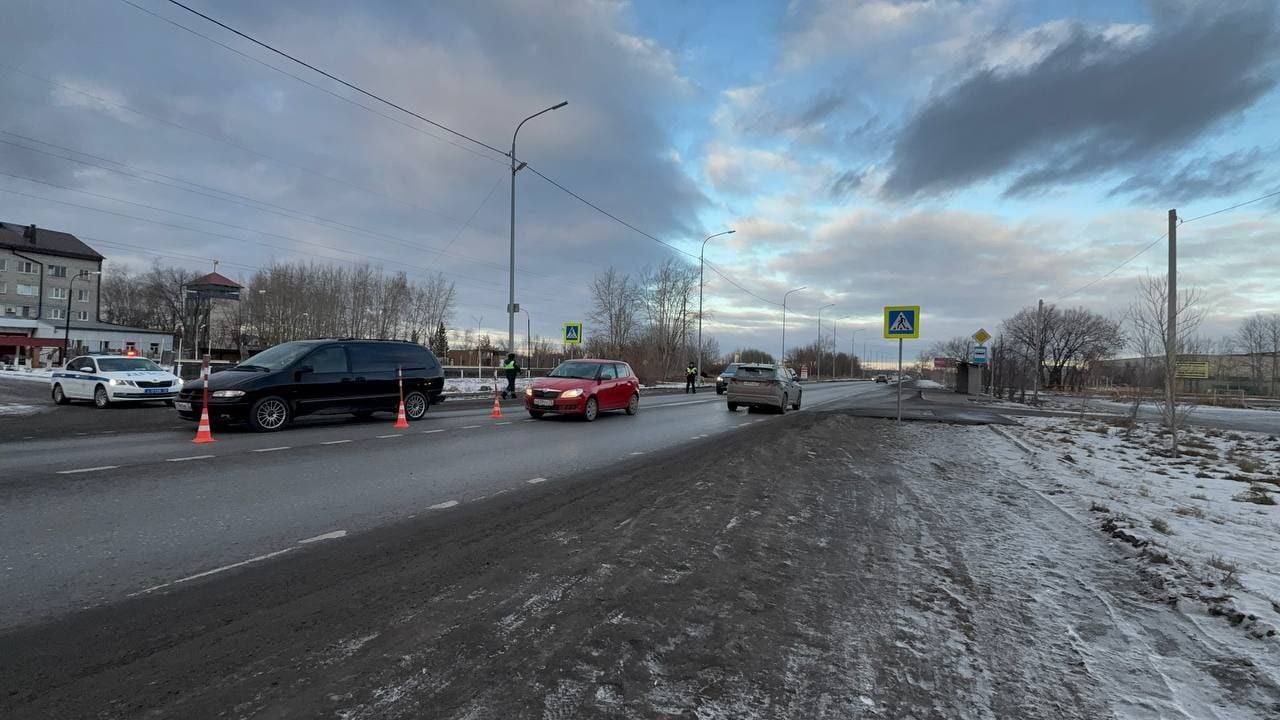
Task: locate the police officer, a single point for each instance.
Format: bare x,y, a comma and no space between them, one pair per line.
512,370
691,378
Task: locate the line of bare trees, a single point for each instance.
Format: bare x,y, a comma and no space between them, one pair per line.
648,319
1257,338
283,301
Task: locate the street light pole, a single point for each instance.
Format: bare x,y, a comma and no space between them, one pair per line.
66,335
783,359
511,277
819,345
478,320
701,266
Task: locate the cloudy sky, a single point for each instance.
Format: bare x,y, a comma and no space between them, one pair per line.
969,156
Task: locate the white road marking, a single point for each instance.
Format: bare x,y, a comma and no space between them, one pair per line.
215,571
273,449
502,423
327,536
384,437
428,432
444,505
759,420
335,442
638,452
619,525
535,481
531,420
185,459
469,427
743,424
89,469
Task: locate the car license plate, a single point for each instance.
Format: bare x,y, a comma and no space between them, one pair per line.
155,391
751,383
184,407
544,403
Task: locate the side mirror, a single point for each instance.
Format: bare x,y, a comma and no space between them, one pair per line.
303,370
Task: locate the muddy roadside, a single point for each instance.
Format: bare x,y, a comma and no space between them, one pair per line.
817,565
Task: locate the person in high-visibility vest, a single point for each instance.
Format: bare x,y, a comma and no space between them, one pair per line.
691,378
512,369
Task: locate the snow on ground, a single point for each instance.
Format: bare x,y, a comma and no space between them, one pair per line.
8,409
40,375
1206,521
468,386
930,385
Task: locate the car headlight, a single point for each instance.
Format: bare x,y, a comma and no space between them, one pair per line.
719,378
116,381
528,391
571,394
228,393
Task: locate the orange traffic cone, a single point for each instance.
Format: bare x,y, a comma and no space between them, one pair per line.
401,420
497,408
203,435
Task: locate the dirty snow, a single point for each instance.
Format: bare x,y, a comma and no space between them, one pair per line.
1205,521
8,409
40,375
930,385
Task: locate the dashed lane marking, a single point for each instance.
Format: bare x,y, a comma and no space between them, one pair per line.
393,435
430,432
444,505
335,442
535,481
88,469
638,452
272,449
326,536
185,459
502,423
469,427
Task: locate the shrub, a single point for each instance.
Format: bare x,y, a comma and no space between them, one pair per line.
1160,526
1194,512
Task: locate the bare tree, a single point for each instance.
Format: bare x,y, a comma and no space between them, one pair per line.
1148,316
751,355
614,315
957,348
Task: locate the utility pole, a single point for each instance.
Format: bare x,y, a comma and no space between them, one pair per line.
702,253
818,372
1035,388
783,360
1171,343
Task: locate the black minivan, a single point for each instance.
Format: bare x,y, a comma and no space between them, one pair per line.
298,378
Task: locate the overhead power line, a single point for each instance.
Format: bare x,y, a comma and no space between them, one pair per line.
637,230
315,69
1164,235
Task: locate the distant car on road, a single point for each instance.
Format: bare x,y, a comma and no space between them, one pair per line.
304,377
586,388
109,379
760,385
882,379
722,380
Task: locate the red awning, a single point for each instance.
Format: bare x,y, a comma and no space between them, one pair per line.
24,341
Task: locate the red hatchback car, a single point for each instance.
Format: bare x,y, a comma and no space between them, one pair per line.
586,388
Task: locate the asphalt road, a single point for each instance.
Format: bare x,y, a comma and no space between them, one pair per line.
130,508
817,566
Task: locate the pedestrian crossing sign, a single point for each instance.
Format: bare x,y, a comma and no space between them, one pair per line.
573,333
902,321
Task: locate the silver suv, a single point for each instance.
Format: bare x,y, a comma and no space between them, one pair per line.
757,385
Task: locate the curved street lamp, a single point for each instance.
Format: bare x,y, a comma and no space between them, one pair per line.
701,266
511,281
783,359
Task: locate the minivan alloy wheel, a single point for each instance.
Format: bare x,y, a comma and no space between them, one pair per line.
270,414
415,405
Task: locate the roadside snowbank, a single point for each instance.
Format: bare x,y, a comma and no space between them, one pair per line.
930,385
1207,521
40,375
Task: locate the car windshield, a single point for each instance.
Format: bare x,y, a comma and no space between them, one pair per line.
729,371
124,364
581,370
276,358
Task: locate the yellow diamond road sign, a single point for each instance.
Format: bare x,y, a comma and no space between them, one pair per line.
982,335
902,321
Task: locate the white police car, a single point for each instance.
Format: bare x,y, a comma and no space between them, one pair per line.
107,379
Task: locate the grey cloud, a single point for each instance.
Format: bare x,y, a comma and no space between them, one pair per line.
478,66
846,183
1092,105
1202,177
